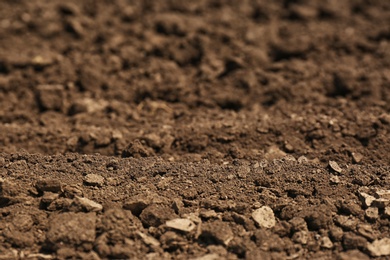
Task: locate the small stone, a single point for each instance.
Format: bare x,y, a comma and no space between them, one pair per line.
94,180
51,185
301,237
148,240
334,166
372,214
87,204
49,197
382,194
386,212
381,203
385,118
181,224
326,243
379,247
302,159
357,157
334,180
347,223
366,199
208,214
264,217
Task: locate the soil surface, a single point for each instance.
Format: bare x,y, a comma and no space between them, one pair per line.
208,129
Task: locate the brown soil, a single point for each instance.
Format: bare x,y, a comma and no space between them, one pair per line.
118,116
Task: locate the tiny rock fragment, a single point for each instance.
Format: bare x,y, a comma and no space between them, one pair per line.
301,237
372,213
334,180
366,199
87,204
357,157
366,231
382,194
49,197
325,242
181,224
148,240
264,217
381,203
51,185
379,247
386,212
334,166
94,180
208,214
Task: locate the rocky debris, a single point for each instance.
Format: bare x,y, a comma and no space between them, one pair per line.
357,157
335,166
72,229
155,215
181,224
51,97
386,212
51,185
264,217
148,240
379,247
334,180
382,194
87,204
94,180
366,199
217,232
325,242
372,214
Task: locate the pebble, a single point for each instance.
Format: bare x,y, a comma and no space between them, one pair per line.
334,180
372,213
49,197
366,231
382,194
264,217
148,240
366,199
94,180
386,212
208,214
212,256
87,204
325,242
181,224
357,157
301,237
334,166
379,247
51,185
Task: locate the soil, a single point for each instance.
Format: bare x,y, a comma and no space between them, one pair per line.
210,129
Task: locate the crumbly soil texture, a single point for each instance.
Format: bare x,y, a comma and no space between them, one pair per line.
207,129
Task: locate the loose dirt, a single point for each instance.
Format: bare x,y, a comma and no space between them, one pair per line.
210,129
